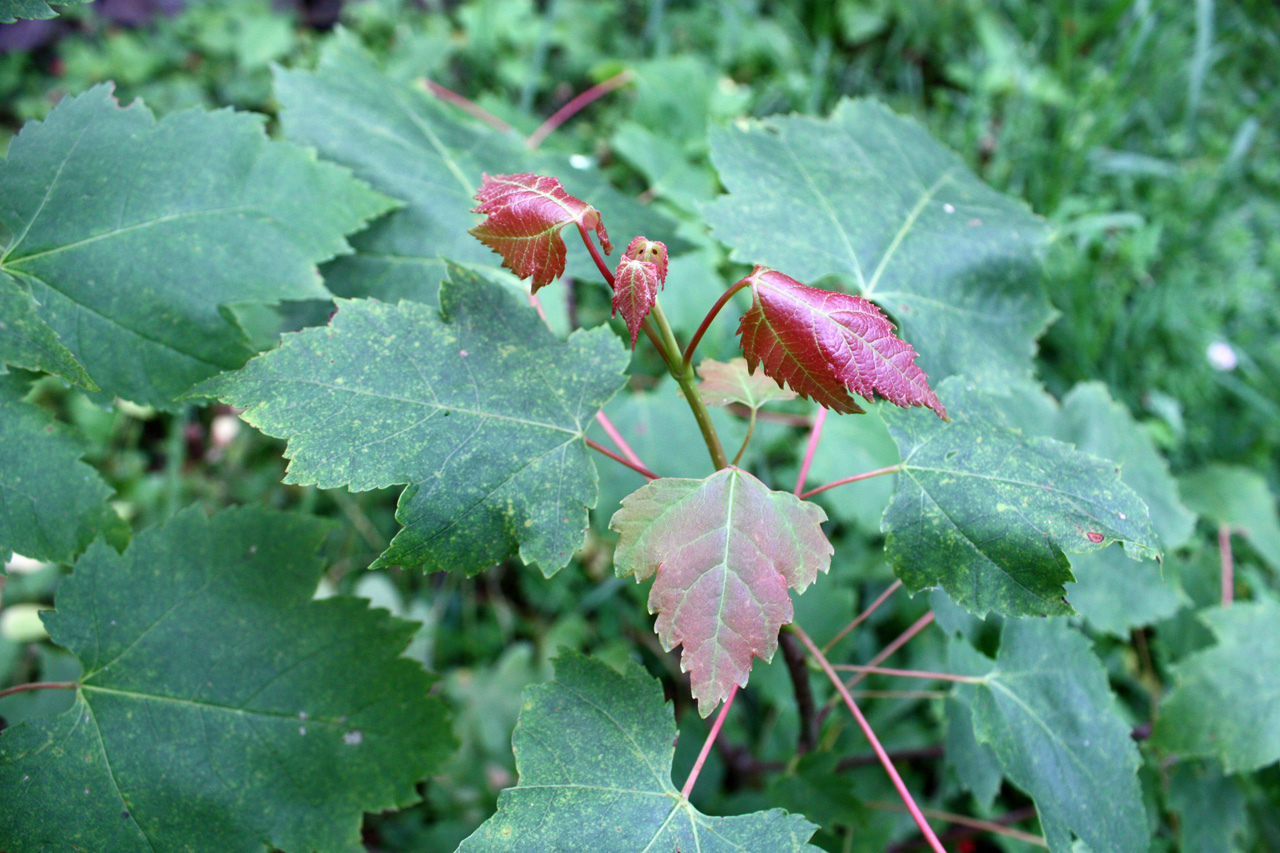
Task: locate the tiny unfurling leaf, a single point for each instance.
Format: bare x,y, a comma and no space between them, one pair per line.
642,270
524,216
826,344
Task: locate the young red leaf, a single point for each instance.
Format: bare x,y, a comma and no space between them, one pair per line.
826,344
733,382
724,551
524,216
641,272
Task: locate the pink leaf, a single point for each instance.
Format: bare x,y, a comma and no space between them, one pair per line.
525,214
826,344
724,550
635,284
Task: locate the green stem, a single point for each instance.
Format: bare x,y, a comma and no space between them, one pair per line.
751,427
706,321
683,374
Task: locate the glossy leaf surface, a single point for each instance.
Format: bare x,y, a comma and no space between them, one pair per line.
1225,701
1046,711
989,514
303,717
476,406
867,195
723,552
524,215
594,749
825,345
132,234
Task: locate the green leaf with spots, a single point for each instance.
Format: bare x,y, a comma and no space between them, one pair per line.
594,748
51,504
988,514
31,10
1226,700
476,406
134,235
220,707
26,341
867,195
1045,710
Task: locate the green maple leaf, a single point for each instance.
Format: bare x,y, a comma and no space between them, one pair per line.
12,10
869,196
989,514
51,504
475,405
26,341
1045,711
220,706
1225,701
594,748
1239,498
132,236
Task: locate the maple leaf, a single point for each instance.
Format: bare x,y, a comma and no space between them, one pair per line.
733,382
826,344
724,550
642,270
524,216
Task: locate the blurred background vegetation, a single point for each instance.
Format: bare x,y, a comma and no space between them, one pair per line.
1144,131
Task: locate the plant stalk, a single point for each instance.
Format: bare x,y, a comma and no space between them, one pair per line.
683,374
706,745
706,322
41,685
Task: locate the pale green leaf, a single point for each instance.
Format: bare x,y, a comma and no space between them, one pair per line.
1046,711
989,514
869,196
1240,499
220,707
594,749
1226,699
732,382
12,10
476,406
132,234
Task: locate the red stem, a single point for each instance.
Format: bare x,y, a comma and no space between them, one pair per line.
861,617
814,435
595,255
1228,565
639,469
616,437
706,321
706,746
41,685
855,478
570,109
907,673
898,784
901,640
537,306
471,108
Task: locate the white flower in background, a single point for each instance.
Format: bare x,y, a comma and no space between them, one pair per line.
1222,356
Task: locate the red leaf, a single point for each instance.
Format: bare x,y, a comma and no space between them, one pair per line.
525,214
724,550
826,344
635,284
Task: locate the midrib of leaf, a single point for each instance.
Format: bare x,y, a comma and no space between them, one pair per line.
212,706
106,761
724,575
830,212
1044,727
976,547
47,193
907,224
955,472
796,361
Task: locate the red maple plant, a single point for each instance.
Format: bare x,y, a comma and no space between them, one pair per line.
720,575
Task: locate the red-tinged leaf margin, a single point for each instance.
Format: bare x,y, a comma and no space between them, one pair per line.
642,270
722,552
524,216
826,344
